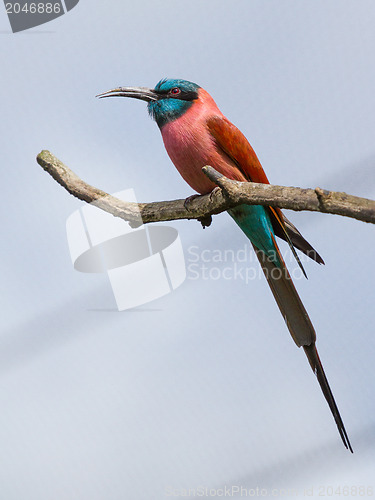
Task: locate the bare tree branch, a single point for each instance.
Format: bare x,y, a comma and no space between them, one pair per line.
232,193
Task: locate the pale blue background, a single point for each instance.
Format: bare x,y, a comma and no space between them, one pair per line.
203,386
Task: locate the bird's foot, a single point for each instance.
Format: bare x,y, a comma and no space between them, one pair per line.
213,192
207,219
189,199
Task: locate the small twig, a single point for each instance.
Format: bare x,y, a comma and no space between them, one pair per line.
232,193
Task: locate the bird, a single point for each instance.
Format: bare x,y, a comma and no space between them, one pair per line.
195,134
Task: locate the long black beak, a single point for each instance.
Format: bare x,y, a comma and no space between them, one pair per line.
142,93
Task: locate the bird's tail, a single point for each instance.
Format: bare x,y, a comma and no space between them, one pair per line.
299,325
316,365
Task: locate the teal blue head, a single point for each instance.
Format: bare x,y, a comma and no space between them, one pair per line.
174,98
169,100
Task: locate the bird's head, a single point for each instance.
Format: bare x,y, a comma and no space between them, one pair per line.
169,99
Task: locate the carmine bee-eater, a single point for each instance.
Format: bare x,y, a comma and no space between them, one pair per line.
196,133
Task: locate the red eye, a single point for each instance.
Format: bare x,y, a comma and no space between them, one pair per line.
175,91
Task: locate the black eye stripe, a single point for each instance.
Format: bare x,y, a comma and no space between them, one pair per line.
185,95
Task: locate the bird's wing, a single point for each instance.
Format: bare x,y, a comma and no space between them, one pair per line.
298,240
232,141
235,145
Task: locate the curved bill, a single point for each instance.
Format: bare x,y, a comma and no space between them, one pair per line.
142,93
